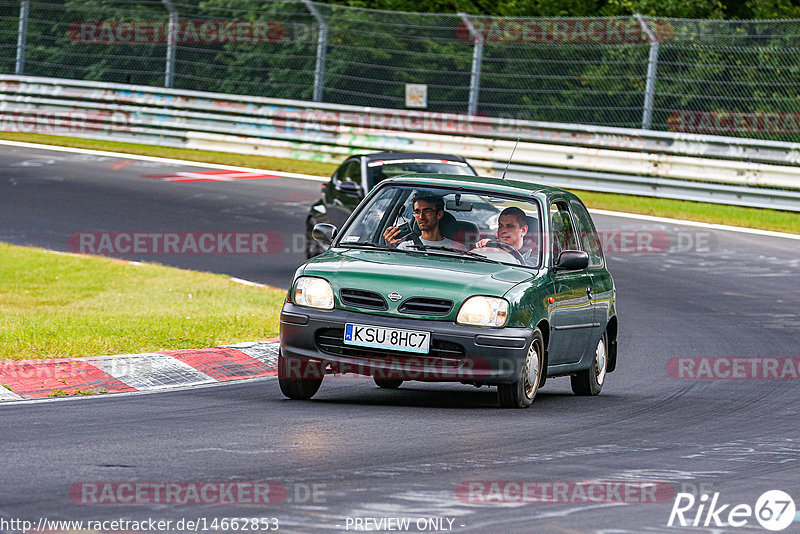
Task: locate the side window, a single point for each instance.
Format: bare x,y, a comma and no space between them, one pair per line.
562,234
350,172
587,234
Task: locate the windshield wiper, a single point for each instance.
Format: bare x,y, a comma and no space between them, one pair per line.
367,245
457,250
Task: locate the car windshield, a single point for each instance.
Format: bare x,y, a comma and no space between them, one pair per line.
470,224
382,169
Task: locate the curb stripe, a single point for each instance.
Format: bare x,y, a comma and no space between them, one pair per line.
38,379
266,352
151,370
223,364
6,394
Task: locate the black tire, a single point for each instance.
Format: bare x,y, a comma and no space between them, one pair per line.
388,383
590,381
521,393
298,378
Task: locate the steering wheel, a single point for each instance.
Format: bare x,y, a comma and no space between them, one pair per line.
507,248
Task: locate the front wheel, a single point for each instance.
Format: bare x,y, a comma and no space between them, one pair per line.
521,393
298,378
590,381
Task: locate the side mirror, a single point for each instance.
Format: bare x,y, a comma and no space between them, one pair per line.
350,188
324,233
572,260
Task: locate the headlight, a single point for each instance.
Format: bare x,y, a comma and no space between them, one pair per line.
313,292
483,311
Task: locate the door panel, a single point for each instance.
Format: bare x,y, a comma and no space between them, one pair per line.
572,313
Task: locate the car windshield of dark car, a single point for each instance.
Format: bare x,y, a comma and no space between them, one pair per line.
469,224
381,170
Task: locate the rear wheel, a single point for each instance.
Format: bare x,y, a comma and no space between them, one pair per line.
298,378
387,383
521,393
590,381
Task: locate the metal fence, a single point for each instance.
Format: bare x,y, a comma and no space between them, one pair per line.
733,78
742,172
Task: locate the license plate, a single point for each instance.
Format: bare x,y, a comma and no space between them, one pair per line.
378,337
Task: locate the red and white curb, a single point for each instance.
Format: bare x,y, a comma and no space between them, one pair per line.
34,379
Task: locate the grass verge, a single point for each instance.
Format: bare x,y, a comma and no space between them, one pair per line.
56,306
765,219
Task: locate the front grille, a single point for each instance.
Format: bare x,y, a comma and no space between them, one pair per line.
426,306
331,341
358,298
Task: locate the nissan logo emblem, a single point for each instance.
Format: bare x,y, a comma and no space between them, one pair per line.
394,296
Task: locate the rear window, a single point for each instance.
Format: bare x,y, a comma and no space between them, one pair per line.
382,169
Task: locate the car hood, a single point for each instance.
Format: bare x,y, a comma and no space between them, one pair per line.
414,275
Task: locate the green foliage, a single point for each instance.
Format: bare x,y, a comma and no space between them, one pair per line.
554,70
771,9
562,8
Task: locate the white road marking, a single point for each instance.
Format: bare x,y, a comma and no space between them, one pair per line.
325,179
696,224
6,395
161,160
247,282
150,370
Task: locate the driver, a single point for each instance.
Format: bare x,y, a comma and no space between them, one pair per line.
428,211
511,229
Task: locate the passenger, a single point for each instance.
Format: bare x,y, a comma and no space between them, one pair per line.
428,211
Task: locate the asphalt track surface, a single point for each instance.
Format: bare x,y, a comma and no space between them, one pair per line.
376,454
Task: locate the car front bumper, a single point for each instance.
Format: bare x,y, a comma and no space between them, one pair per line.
458,353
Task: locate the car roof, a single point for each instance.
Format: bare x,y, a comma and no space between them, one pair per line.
485,183
415,155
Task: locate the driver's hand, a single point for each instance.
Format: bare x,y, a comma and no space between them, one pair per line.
482,242
390,235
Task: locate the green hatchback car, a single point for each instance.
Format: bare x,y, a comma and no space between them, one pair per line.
443,278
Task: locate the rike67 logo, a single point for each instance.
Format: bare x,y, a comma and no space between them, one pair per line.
774,510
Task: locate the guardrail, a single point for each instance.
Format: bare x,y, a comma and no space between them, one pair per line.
687,166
